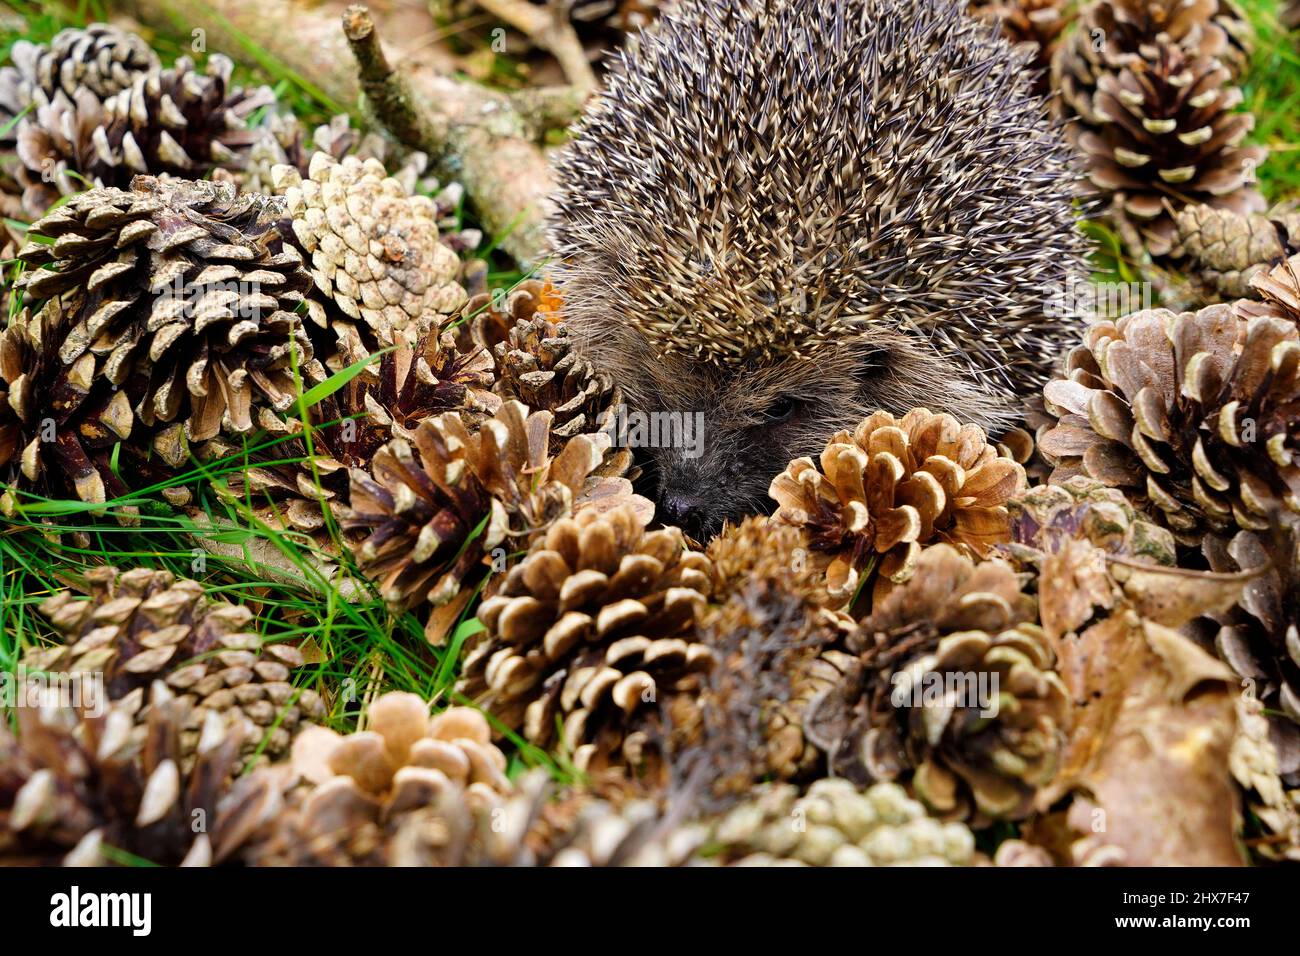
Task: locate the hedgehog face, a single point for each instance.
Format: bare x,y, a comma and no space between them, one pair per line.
715,438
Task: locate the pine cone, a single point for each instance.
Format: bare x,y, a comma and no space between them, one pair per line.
1189,414
422,512
100,59
1279,291
414,382
1045,517
836,824
1036,23
85,790
1290,14
957,686
171,304
776,650
373,251
1221,252
539,365
892,486
175,121
1152,85
410,784
1111,33
1260,638
1256,764
592,629
141,626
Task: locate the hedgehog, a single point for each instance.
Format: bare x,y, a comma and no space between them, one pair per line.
781,215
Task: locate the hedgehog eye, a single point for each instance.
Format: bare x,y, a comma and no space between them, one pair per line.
780,410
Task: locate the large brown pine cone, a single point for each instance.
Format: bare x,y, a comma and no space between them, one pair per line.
373,251
1192,415
83,790
176,121
433,514
141,626
1153,87
170,315
956,687
1110,33
592,631
892,486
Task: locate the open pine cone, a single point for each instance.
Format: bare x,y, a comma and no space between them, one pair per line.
170,314
892,486
1192,415
407,784
100,59
592,630
1153,87
956,686
836,824
414,382
373,251
540,365
82,789
421,511
143,627
176,121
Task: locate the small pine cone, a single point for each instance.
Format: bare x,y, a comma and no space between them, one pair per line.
413,383
892,486
1189,414
373,252
100,59
593,629
836,824
1045,517
171,305
140,626
420,510
1036,23
539,365
1289,15
1222,252
408,785
956,686
78,789
174,122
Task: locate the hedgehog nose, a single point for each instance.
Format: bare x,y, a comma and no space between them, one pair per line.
685,510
